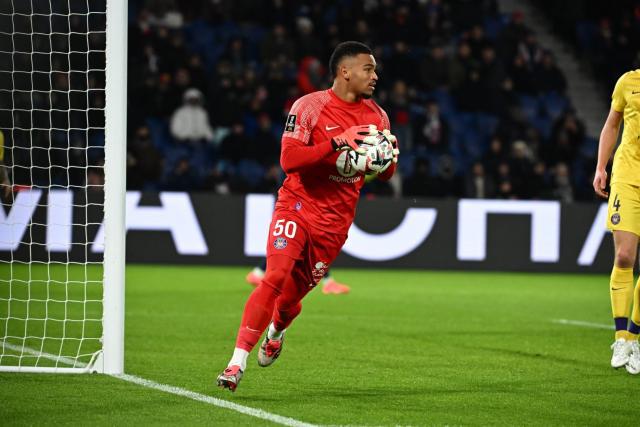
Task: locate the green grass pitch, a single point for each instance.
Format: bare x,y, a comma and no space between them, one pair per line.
404,348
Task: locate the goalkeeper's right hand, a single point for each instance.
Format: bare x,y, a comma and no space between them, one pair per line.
350,138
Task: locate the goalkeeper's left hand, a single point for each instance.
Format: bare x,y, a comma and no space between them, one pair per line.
395,152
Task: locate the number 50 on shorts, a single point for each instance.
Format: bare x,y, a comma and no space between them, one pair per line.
289,228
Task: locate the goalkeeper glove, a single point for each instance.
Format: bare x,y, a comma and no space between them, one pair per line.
350,138
394,152
394,142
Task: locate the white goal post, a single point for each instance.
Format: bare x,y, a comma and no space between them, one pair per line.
63,107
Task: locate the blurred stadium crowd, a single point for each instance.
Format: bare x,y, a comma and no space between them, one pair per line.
479,106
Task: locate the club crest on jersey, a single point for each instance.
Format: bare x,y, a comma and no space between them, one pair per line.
290,125
280,243
615,219
319,270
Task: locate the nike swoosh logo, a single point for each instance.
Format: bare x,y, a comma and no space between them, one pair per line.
251,329
328,128
633,92
615,289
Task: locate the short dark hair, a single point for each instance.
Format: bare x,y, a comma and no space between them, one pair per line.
344,49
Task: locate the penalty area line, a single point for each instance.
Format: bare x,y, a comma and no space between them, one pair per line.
583,324
221,403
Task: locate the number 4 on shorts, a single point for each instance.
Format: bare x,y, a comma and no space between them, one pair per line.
616,203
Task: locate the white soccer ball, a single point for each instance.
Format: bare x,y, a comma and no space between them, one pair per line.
379,154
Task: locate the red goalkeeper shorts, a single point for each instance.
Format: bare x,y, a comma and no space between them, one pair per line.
314,250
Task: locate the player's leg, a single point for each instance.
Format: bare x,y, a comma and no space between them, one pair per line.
287,242
621,291
254,277
332,286
255,318
633,365
622,220
287,307
322,250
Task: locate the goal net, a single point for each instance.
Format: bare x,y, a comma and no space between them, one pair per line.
62,118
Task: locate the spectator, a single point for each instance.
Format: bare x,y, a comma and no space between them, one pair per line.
311,75
398,110
478,185
539,184
513,33
277,44
477,42
144,162
548,76
435,69
420,183
567,136
447,183
522,76
431,131
308,44
268,150
505,184
492,75
254,70
183,177
400,64
562,183
521,169
530,50
494,157
461,65
190,123
237,145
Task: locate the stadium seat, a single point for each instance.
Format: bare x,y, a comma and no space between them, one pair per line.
554,104
585,33
493,25
486,125
589,148
250,171
544,125
530,106
159,130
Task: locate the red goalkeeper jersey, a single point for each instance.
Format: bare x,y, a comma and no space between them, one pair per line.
321,185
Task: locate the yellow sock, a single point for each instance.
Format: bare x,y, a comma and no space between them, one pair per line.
634,326
621,296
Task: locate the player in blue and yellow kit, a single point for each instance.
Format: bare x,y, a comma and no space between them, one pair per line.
623,218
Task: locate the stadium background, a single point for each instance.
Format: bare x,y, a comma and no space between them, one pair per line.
480,106
482,111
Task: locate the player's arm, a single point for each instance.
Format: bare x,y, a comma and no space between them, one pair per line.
609,135
608,138
296,155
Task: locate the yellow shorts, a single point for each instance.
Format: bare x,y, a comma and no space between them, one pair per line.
624,208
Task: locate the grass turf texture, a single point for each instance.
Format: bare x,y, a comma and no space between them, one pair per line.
405,347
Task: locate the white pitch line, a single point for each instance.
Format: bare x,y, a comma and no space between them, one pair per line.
584,324
66,360
221,403
258,413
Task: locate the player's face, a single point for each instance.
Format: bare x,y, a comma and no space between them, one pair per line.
362,74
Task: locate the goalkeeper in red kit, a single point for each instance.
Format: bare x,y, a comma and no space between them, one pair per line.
316,203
